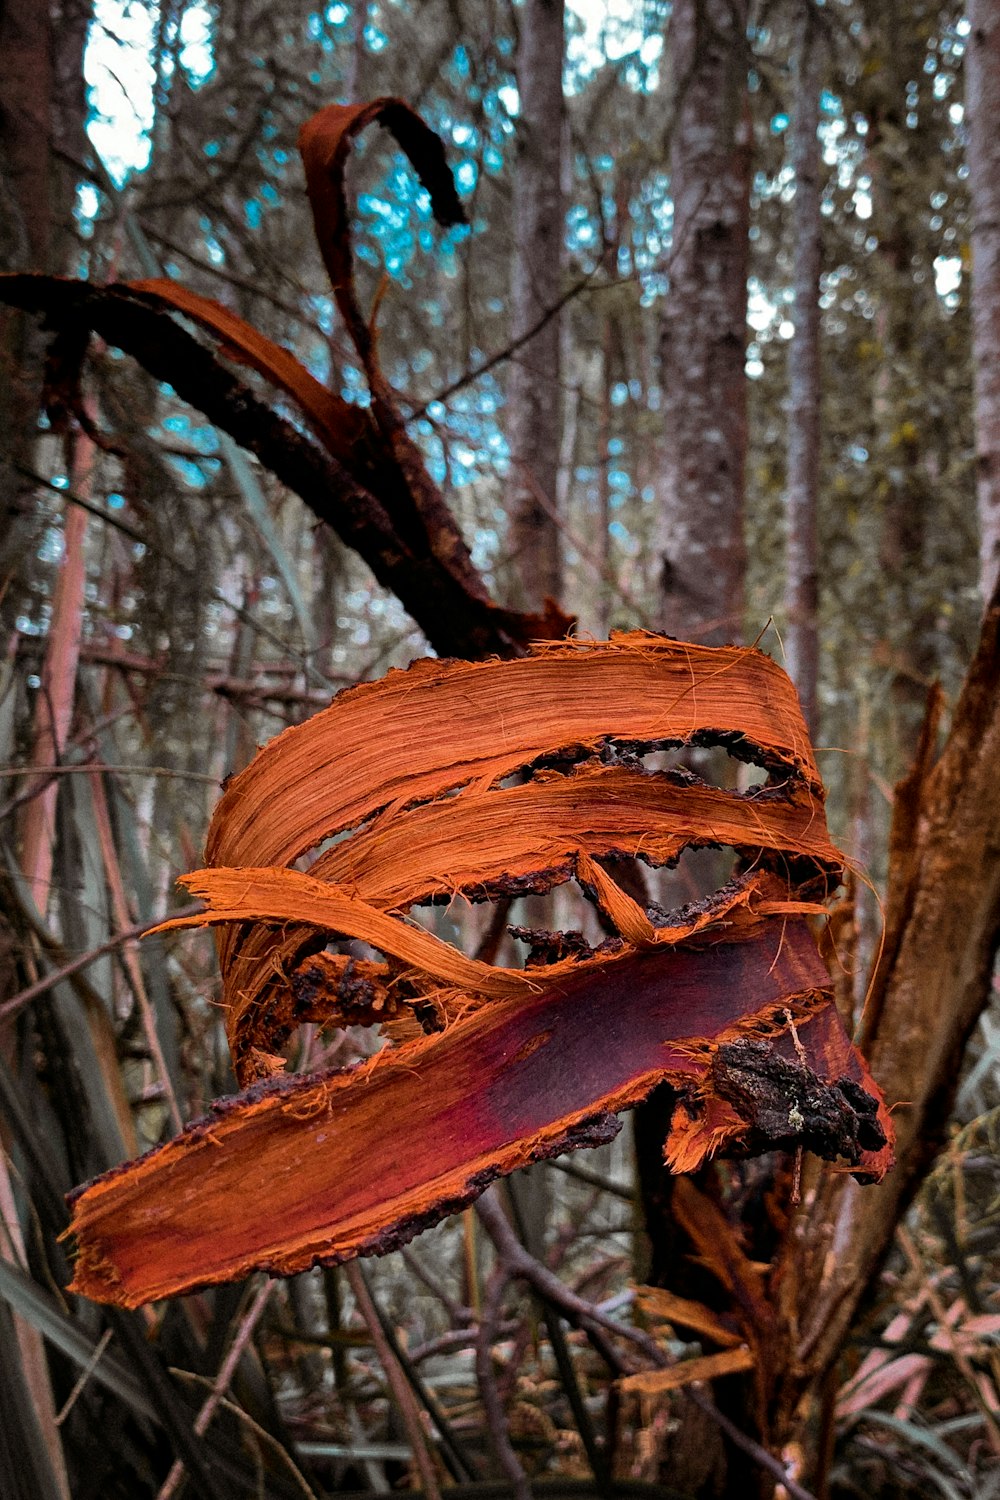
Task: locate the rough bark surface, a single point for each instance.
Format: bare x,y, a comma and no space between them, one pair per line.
934,981
802,585
534,426
703,333
982,74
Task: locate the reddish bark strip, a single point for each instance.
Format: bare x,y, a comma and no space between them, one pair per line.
729,1001
329,1167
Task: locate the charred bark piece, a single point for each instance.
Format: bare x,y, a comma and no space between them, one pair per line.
786,1103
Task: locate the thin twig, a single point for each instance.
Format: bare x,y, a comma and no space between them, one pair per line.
520,1263
40,987
397,1381
222,1381
509,350
493,1411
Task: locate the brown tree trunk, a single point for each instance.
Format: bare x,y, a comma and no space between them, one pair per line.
42,114
802,585
701,543
982,63
931,986
535,392
703,332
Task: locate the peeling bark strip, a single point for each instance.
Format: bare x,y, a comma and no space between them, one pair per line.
728,1001
411,739
364,476
311,1169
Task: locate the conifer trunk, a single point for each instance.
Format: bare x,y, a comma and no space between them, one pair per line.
703,332
802,586
983,102
535,393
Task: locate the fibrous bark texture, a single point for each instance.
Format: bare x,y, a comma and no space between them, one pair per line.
932,984
534,425
982,73
728,1001
703,333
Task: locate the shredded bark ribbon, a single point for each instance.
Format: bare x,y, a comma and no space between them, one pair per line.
482,780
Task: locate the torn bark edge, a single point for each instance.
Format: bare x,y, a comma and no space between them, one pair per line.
734,1052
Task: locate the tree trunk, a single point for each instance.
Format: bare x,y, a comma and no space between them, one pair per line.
701,544
802,585
982,63
42,115
703,333
535,393
931,986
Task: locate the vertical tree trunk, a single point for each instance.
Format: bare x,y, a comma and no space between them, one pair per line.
802,587
703,333
535,404
701,542
42,116
982,62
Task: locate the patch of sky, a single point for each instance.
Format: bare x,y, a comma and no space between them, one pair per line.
86,208
252,213
466,176
323,312
947,275
459,62
510,99
196,54
205,439
115,500
269,193
338,14
375,40
485,546
492,160
119,76
212,148
436,466
779,123
52,546
760,308
354,386
193,474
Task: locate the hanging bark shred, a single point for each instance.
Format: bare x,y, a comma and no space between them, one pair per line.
480,780
364,475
